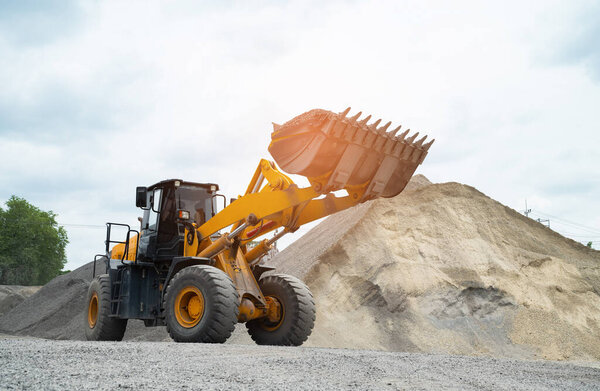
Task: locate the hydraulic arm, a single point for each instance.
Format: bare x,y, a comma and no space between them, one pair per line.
334,152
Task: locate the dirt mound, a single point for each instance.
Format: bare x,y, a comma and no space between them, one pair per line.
13,295
444,268
56,311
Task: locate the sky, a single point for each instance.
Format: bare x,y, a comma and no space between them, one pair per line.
97,98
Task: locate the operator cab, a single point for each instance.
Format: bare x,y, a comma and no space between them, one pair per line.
168,206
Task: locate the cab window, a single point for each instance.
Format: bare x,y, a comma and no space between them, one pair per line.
155,197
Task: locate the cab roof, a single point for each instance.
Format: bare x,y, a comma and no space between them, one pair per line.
170,182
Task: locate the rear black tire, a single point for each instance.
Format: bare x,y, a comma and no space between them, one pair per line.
220,305
298,309
104,328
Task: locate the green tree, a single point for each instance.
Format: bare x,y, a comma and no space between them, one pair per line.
589,244
32,245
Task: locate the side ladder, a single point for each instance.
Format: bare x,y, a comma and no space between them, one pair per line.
116,284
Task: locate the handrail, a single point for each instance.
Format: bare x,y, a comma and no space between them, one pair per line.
108,240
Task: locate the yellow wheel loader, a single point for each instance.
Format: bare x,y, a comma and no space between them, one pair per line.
184,271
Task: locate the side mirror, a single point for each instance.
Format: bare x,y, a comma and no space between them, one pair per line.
141,197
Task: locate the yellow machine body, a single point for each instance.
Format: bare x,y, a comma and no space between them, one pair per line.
335,152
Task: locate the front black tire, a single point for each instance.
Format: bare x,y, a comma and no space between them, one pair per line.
214,319
298,317
99,326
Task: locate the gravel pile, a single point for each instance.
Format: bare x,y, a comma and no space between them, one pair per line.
12,295
56,311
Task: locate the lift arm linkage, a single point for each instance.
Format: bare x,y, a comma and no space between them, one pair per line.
278,203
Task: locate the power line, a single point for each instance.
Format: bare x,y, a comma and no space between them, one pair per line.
580,236
565,221
571,226
590,233
559,221
66,224
92,226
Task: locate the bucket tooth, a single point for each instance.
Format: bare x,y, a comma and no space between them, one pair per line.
420,142
275,126
412,138
376,123
428,145
364,121
344,113
384,127
356,116
393,132
403,134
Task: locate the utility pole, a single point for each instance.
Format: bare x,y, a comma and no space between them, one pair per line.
527,211
546,222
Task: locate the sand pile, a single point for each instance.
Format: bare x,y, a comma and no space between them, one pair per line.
13,295
444,268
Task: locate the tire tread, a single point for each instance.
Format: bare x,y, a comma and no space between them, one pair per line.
302,311
224,296
107,328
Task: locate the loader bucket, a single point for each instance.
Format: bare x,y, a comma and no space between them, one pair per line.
335,152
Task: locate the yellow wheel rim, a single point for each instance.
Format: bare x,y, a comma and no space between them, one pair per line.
93,310
189,307
267,323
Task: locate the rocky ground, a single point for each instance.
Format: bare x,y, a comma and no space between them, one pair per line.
74,365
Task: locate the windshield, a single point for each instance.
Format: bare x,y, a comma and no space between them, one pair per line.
197,201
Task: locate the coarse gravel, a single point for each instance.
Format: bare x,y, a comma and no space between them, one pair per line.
35,364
